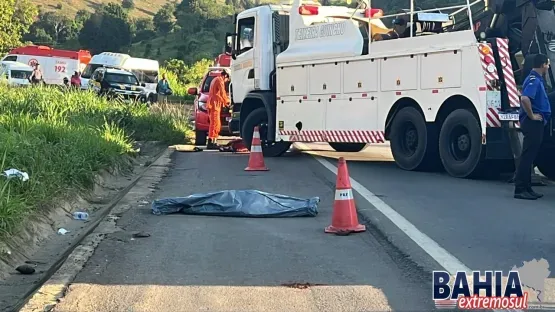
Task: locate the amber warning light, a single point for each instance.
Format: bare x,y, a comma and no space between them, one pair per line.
308,10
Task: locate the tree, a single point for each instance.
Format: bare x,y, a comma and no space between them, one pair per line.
16,16
164,19
81,16
58,27
143,29
147,50
39,36
105,32
114,10
128,4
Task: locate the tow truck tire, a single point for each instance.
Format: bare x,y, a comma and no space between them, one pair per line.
348,147
256,118
460,144
200,137
546,162
412,146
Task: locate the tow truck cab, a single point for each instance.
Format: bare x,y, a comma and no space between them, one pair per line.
261,33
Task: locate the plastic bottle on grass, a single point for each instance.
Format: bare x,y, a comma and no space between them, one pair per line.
78,215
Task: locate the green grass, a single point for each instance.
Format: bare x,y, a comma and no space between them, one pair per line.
62,139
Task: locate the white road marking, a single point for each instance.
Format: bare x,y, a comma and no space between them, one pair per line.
449,262
438,253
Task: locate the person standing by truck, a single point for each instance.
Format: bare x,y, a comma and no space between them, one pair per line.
36,76
217,98
535,112
76,80
163,89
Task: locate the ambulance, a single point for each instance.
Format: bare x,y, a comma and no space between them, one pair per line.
441,95
146,70
55,64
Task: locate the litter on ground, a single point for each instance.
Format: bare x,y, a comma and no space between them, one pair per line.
14,173
187,148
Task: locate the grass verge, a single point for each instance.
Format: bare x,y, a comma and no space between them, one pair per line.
63,138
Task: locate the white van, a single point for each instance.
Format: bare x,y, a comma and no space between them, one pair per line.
15,73
146,70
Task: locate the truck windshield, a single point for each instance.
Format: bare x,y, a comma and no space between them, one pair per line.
21,74
146,76
121,78
89,70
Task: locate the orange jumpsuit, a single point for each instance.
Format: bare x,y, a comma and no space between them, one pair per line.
217,97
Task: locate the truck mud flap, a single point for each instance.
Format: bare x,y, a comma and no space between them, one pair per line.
498,144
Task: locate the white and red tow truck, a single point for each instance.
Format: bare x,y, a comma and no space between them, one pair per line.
439,94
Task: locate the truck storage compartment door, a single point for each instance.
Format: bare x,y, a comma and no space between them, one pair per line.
399,73
300,116
443,70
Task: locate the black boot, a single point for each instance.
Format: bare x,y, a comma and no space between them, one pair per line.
524,195
537,195
211,145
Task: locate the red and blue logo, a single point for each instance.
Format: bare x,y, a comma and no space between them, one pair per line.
480,290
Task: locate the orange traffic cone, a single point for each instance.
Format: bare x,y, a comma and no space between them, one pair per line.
344,219
256,159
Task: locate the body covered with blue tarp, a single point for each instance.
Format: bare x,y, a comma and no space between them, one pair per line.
238,203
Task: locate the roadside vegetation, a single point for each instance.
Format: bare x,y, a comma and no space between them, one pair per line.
182,76
63,138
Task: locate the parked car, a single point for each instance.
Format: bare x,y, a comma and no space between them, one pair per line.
15,73
123,84
202,120
146,70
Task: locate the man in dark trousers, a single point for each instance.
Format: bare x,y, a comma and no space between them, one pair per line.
535,112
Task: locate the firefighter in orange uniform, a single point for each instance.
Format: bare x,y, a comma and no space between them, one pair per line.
217,98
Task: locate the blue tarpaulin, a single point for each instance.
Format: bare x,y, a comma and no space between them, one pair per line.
238,203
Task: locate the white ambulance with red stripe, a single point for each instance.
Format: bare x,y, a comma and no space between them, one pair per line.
55,64
440,96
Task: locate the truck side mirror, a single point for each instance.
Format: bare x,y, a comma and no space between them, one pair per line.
230,44
192,91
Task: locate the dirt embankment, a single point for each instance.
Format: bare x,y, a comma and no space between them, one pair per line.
38,242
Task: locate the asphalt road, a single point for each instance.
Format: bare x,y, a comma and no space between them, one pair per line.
470,218
198,263
476,221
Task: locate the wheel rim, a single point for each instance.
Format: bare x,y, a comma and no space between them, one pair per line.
409,140
460,143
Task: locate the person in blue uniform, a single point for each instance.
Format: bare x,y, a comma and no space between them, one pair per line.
535,112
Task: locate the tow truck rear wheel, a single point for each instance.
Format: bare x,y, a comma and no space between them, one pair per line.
460,144
259,117
348,147
413,143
